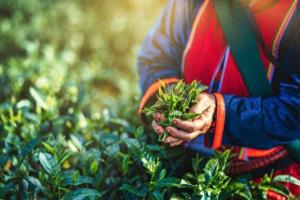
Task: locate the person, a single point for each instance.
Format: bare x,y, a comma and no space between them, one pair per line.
188,43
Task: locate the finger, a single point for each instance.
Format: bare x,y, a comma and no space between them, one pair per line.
176,143
189,126
157,128
181,134
171,139
204,123
159,117
206,128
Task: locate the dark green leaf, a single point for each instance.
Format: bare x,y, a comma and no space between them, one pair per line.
162,174
171,182
68,180
211,169
29,147
3,159
163,136
81,194
133,190
36,182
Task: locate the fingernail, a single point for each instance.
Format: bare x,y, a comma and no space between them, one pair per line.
169,130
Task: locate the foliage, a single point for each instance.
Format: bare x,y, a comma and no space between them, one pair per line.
88,43
174,102
63,134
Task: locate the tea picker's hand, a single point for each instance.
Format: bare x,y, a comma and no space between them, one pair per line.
190,129
158,117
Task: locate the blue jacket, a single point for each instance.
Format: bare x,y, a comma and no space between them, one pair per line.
274,120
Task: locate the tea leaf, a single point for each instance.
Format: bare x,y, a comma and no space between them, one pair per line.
163,136
37,97
287,179
133,190
69,180
189,116
81,194
139,132
48,148
211,169
49,163
35,182
169,182
94,167
29,147
3,159
75,176
162,174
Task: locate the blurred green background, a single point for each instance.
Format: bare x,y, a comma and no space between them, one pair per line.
91,44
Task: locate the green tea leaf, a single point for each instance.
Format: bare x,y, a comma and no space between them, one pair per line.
163,136
169,182
280,189
133,190
37,97
28,148
94,167
81,194
176,113
162,174
3,159
48,148
35,182
69,180
287,179
189,116
48,162
75,175
211,169
166,123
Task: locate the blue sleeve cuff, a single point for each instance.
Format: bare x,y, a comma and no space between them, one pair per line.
242,128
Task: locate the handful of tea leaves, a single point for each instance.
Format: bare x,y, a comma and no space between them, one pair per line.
175,101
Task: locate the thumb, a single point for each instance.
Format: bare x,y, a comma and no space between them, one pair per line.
203,103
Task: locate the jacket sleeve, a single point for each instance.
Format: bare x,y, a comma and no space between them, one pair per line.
161,52
263,123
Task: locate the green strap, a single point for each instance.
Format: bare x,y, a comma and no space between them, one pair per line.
294,149
243,45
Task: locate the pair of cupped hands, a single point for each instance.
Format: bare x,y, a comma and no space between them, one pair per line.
184,131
